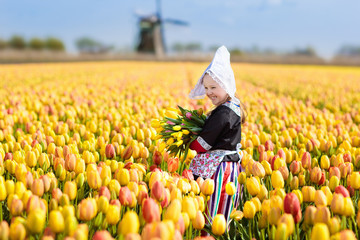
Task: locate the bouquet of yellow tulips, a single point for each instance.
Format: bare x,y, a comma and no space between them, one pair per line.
179,128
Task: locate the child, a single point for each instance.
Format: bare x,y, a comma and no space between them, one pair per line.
218,144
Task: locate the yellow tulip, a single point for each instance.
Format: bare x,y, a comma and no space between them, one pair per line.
281,232
173,211
320,231
253,186
129,223
334,225
56,221
308,193
17,231
288,220
349,210
35,221
188,206
218,226
274,215
230,188
257,203
277,179
355,180
249,210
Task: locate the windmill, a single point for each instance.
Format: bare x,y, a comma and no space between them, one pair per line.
151,32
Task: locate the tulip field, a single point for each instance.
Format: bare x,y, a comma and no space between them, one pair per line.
81,157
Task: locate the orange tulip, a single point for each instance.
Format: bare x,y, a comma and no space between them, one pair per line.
337,204
87,209
16,207
309,215
199,220
207,188
320,198
322,215
70,189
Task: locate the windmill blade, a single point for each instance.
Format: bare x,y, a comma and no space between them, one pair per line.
176,22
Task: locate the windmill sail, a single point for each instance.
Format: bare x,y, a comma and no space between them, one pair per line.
151,36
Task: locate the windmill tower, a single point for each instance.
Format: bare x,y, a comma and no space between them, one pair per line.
151,32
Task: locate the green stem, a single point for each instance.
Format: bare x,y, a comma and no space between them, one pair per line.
356,229
1,214
298,231
250,232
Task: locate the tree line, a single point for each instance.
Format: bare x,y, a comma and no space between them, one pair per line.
17,42
308,51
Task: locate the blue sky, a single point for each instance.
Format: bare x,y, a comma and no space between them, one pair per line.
279,24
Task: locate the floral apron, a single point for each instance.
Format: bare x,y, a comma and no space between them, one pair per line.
205,164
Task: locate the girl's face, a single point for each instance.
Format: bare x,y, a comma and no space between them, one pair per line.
213,90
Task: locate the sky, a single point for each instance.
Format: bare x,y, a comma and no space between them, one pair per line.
283,25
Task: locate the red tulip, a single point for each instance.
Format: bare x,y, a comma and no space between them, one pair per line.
125,196
322,179
351,190
115,202
150,210
269,145
188,174
342,190
158,191
104,191
292,206
295,167
281,154
8,156
347,157
110,151
127,153
142,196
166,201
157,157
102,235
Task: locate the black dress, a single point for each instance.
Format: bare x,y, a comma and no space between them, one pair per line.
220,137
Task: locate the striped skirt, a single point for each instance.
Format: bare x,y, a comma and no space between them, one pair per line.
220,202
